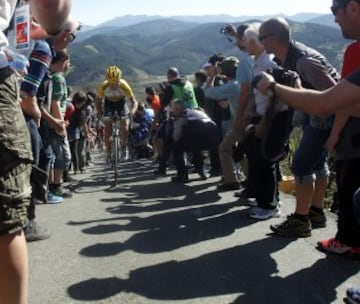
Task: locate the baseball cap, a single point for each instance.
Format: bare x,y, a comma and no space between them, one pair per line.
213,60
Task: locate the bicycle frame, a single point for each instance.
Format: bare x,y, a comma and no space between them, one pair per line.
115,145
116,152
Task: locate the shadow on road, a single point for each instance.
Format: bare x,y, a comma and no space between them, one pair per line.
248,270
174,216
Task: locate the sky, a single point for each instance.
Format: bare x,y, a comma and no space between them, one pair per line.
94,12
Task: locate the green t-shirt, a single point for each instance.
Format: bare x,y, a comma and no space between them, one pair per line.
60,90
185,93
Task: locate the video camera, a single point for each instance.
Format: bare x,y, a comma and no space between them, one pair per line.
270,152
281,76
225,31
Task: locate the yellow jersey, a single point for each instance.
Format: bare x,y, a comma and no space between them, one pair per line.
121,91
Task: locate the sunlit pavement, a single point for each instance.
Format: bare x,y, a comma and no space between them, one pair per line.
148,240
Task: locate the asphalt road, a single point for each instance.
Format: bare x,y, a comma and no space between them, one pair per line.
148,240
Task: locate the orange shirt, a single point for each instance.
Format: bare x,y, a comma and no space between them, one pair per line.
156,104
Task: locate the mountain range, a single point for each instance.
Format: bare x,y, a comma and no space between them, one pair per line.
127,20
143,47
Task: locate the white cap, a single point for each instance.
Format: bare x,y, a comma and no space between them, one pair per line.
206,65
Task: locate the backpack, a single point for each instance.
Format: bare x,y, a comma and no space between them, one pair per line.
44,94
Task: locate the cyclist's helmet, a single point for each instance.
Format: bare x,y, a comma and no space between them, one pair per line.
113,74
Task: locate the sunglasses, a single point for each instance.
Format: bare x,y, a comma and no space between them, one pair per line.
334,8
70,37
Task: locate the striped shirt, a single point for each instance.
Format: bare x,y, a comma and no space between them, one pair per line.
40,59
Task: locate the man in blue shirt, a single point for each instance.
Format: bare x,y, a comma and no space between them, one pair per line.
244,75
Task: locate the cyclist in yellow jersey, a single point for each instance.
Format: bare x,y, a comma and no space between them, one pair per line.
115,95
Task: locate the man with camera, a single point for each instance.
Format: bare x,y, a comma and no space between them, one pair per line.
309,164
265,139
343,98
243,77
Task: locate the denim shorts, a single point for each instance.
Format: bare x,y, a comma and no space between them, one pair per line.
15,193
310,159
61,150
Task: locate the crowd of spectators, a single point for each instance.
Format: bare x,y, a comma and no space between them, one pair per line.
250,103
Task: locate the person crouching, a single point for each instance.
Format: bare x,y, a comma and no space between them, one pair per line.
193,132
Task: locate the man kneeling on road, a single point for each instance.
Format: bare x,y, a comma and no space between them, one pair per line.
193,132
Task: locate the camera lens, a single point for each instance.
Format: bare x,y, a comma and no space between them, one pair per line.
223,30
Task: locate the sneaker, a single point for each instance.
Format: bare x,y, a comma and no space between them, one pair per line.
293,227
334,246
318,219
263,214
33,232
60,191
353,295
54,199
228,187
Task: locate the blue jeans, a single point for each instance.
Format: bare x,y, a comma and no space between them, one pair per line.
61,149
35,137
46,152
310,158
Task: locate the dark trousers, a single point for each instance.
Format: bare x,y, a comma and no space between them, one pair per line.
77,149
262,176
197,136
38,177
214,153
46,152
35,138
179,160
263,155
165,132
348,181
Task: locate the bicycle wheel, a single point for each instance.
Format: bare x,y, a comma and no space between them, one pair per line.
116,156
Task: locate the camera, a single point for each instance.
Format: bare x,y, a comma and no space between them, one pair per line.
224,30
284,77
281,76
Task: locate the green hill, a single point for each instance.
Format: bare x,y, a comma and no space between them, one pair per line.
149,48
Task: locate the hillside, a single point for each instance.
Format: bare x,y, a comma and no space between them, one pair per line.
149,48
324,20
